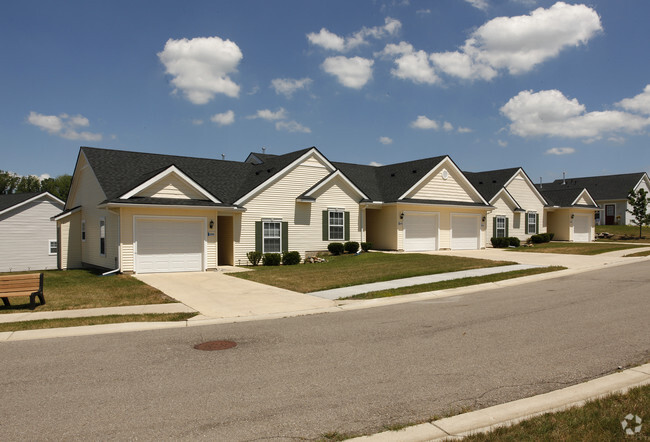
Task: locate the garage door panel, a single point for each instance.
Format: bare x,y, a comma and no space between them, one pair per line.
465,232
420,232
581,228
169,245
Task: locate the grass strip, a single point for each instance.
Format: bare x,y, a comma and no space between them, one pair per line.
597,420
572,248
454,283
348,270
93,320
645,253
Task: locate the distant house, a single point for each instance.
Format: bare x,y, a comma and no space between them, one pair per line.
609,192
570,214
28,238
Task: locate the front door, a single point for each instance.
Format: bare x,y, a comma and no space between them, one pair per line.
610,214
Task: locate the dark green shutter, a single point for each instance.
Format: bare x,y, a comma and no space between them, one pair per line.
258,236
347,226
494,227
537,223
526,222
507,228
326,235
285,236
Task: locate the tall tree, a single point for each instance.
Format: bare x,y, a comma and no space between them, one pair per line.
28,183
639,203
8,182
59,186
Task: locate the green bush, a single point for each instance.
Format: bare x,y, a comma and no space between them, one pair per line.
254,257
500,243
351,247
271,259
551,235
541,238
336,248
514,241
290,258
365,246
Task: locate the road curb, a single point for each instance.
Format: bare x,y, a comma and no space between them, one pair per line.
511,413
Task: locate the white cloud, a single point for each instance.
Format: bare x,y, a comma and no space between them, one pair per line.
385,140
197,122
550,113
560,151
269,115
639,103
352,72
64,126
502,143
287,86
478,4
333,42
447,126
423,11
200,67
464,130
224,119
375,164
292,126
422,122
513,44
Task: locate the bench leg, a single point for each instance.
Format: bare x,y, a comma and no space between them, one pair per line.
41,298
32,301
5,301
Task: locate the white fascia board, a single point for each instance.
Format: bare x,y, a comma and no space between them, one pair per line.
65,215
508,195
530,184
333,175
643,178
281,173
34,198
584,191
458,172
171,169
174,206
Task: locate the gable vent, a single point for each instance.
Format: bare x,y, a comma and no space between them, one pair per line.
494,181
392,174
415,171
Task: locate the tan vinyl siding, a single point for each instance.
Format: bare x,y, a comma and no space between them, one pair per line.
24,236
70,242
451,189
516,221
524,192
559,223
381,227
583,201
171,186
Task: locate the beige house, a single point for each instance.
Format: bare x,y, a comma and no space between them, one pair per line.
570,214
141,212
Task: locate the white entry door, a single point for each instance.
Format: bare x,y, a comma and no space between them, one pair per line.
168,245
465,232
582,228
420,232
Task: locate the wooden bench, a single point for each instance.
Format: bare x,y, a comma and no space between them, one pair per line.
28,284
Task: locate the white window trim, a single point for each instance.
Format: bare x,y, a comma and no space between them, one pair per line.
329,225
83,230
271,220
534,224
496,222
49,247
102,218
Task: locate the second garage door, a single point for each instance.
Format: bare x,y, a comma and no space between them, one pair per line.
168,245
465,232
581,228
420,232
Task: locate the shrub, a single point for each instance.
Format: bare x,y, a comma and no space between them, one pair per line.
271,259
290,258
254,257
365,246
541,238
514,241
336,248
550,236
351,247
499,242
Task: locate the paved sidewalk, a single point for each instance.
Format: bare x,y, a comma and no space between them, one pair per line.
344,292
513,412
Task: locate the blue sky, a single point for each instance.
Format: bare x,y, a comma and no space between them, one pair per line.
548,86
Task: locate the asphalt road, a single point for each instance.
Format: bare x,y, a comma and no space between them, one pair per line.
349,372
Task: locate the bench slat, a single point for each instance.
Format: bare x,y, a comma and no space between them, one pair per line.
28,276
12,294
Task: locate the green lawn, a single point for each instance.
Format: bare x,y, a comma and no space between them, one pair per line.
625,233
75,289
646,253
574,248
455,283
347,270
93,320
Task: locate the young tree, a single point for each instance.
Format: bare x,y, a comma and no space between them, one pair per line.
639,202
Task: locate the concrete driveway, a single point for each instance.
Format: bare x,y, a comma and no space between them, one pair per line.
218,295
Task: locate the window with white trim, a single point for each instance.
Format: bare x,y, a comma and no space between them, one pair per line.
531,221
102,236
336,224
271,236
52,246
83,229
500,226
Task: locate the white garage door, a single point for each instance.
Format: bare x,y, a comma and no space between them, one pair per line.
168,245
420,232
465,232
581,228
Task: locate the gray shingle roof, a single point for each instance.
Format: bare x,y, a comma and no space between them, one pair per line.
490,182
604,187
11,199
563,197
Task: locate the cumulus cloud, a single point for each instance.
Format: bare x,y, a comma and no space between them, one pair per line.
639,103
447,126
478,4
292,126
333,42
200,67
197,122
352,72
287,86
502,143
512,44
560,151
464,130
375,164
422,122
224,119
269,115
385,140
64,126
550,113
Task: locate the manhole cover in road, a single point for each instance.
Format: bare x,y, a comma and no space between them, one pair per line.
215,345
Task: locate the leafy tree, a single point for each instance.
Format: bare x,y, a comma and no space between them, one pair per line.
8,182
28,183
639,202
59,186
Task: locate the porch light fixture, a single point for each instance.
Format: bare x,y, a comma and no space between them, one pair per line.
483,219
401,215
573,215
211,224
